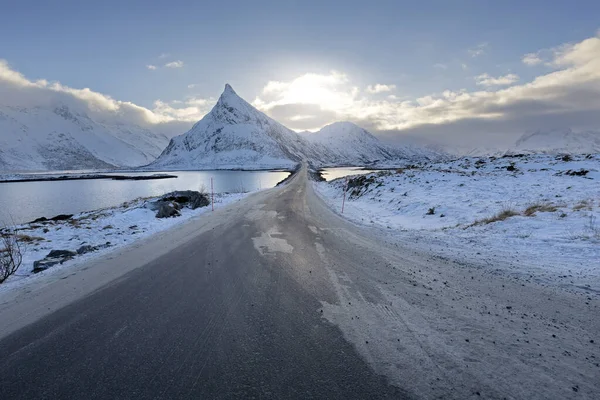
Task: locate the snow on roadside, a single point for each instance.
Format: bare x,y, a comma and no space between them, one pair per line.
109,229
456,207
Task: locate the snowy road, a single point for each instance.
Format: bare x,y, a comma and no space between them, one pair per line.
278,297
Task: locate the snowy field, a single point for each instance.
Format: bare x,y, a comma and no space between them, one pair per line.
107,230
535,216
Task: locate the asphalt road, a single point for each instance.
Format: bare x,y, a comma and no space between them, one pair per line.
235,311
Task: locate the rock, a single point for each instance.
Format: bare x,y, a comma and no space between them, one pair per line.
177,200
167,210
190,198
53,258
85,249
60,217
41,265
61,254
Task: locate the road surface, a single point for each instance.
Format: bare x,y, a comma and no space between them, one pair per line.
278,297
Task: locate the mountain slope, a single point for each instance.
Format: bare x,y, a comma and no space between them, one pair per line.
60,137
233,135
345,143
558,141
236,135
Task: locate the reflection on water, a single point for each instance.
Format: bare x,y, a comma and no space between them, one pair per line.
26,201
333,173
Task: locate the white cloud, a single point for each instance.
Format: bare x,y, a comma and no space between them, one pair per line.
464,66
440,66
192,85
478,50
531,59
487,80
174,64
151,67
18,91
164,55
379,88
568,96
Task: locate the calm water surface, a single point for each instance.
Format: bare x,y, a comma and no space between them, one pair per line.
333,173
26,201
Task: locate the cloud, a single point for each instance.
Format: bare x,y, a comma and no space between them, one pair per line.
568,96
192,85
18,91
531,59
151,67
174,64
440,66
464,66
487,80
478,50
379,88
164,55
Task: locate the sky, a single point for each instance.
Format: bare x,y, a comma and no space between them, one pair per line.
463,72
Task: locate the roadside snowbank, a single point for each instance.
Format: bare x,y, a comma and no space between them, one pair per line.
533,215
107,229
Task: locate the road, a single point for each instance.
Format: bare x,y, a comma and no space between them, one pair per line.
278,297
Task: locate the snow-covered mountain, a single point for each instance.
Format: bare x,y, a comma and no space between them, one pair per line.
233,135
345,143
236,135
63,138
558,142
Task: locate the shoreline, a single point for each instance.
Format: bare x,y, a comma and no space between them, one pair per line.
99,233
76,177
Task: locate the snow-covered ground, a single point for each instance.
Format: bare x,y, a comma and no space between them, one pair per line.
527,216
108,229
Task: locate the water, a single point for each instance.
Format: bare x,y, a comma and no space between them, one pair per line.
26,201
333,173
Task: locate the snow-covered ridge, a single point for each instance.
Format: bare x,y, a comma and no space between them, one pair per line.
558,142
63,138
537,214
236,133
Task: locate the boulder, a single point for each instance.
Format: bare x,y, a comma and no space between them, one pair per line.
86,249
61,217
53,258
167,210
188,198
41,265
61,254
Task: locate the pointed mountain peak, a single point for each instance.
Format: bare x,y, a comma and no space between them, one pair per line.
231,108
229,89
229,95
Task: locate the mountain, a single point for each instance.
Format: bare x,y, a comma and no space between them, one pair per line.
233,135
345,143
63,138
236,135
558,142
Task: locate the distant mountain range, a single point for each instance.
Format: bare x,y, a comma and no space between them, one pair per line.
558,142
236,135
61,138
233,135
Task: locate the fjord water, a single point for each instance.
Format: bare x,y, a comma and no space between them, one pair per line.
339,172
25,201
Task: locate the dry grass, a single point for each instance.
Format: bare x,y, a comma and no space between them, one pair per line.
504,214
583,205
539,207
29,239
